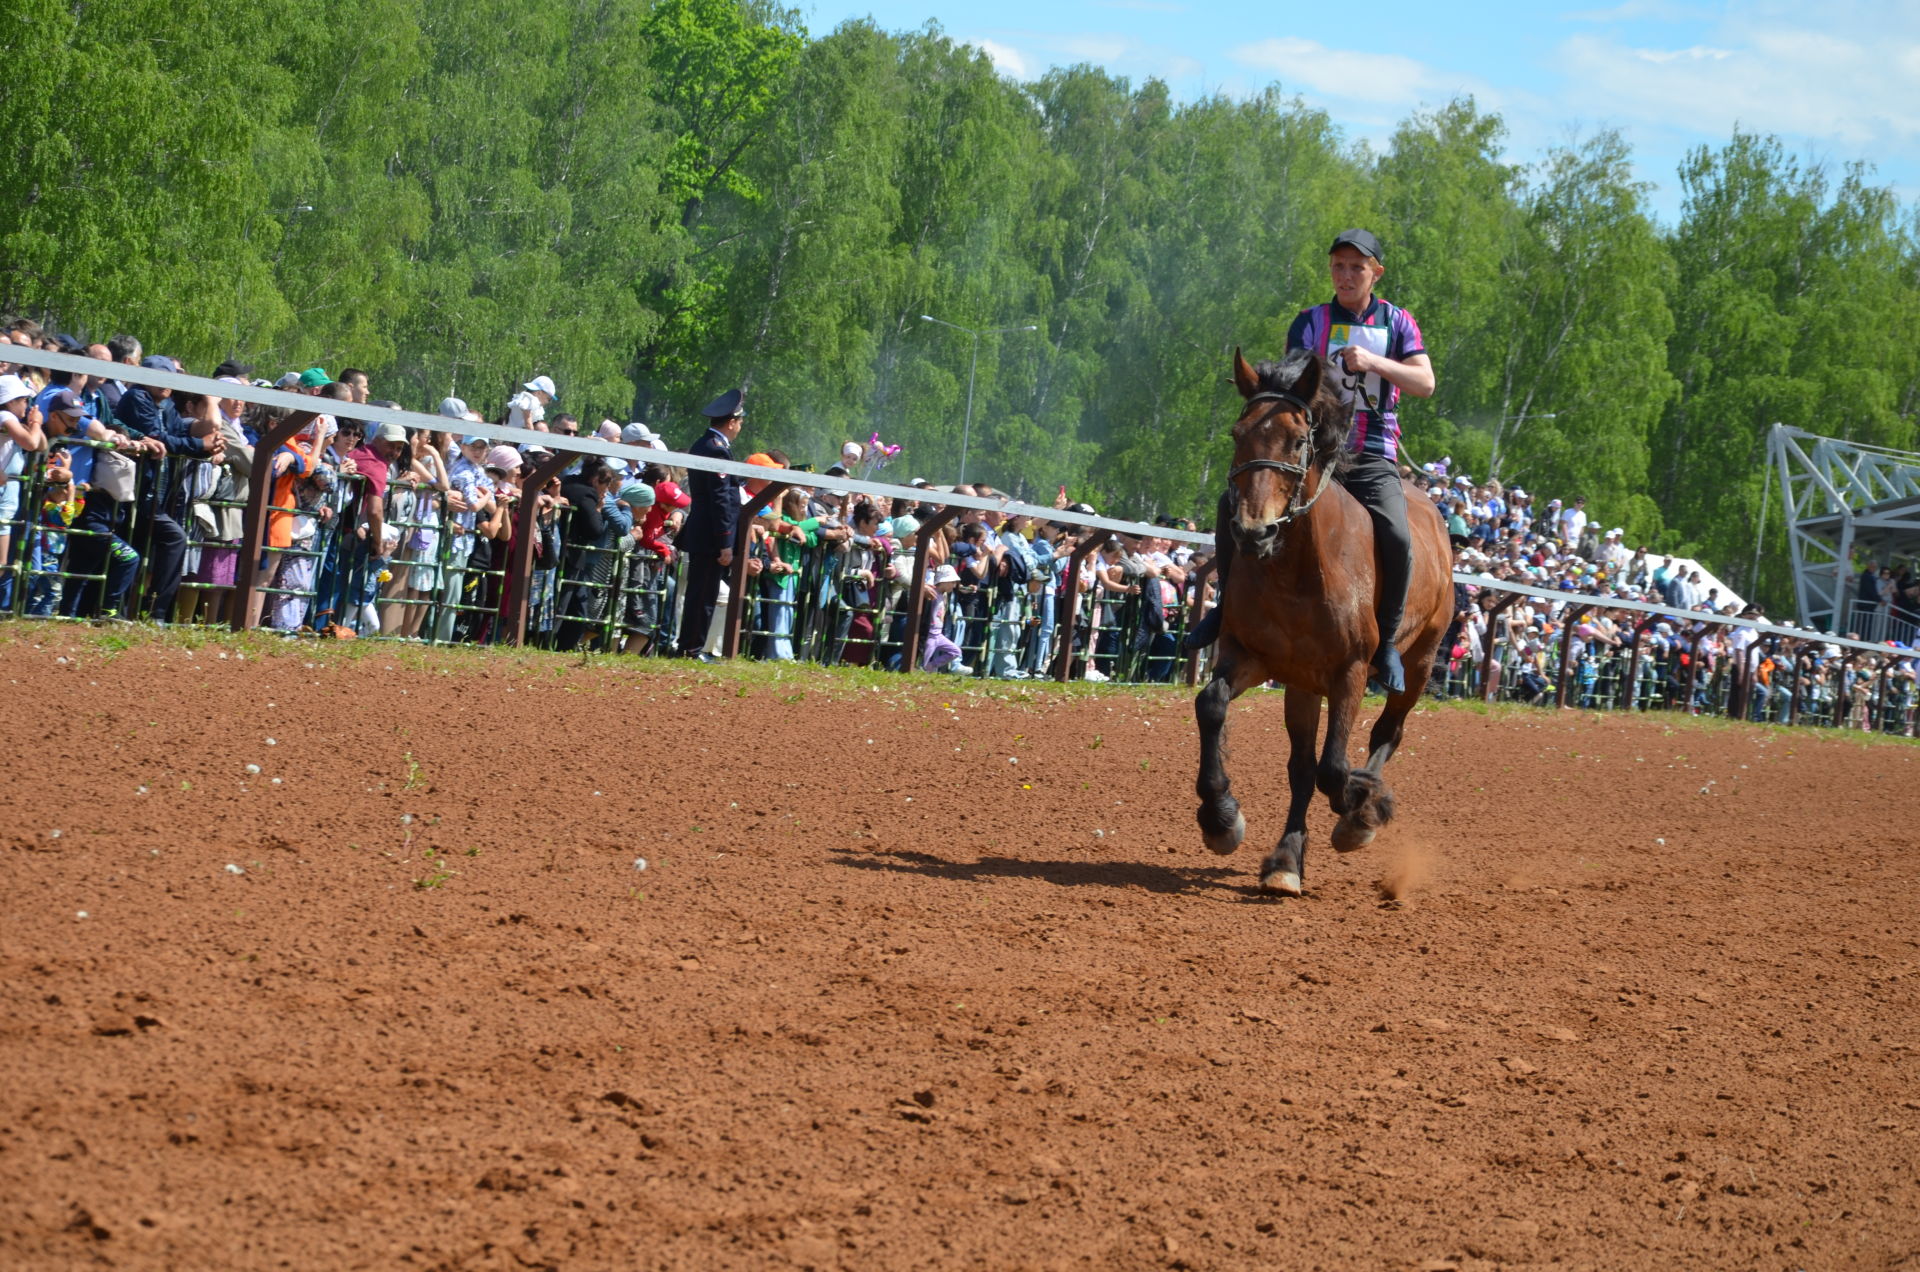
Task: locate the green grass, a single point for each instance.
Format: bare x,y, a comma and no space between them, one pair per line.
790,683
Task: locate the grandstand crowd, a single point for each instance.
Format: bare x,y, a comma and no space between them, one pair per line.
121,501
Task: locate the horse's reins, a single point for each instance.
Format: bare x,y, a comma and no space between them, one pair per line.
1302,470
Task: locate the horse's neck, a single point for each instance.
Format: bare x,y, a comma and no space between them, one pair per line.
1300,567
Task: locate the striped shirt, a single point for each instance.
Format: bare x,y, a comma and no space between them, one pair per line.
1386,330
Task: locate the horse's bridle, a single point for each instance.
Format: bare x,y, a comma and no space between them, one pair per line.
1303,469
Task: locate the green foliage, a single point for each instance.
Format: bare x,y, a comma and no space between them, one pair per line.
651,200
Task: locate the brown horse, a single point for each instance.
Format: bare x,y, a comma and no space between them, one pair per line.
1299,609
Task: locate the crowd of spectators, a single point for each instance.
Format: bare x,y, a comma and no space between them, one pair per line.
138,497
126,501
1684,659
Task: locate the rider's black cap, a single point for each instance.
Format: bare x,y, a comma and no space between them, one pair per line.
1362,239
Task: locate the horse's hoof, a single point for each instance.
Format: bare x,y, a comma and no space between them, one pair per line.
1229,839
1286,883
1347,837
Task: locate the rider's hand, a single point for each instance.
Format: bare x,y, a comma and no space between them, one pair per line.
1357,361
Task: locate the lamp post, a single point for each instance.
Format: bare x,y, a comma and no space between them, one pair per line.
966,429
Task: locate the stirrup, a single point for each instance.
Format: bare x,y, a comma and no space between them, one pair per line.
1202,633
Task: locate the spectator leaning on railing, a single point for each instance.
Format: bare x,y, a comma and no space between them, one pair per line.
429,514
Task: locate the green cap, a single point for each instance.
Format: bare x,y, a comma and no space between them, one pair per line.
314,377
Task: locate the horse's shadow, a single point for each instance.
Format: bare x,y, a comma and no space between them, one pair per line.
1063,874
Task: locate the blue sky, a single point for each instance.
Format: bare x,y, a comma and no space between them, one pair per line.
1836,81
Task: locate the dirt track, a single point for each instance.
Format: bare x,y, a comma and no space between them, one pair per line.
885,998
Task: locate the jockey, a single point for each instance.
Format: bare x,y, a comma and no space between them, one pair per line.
1378,347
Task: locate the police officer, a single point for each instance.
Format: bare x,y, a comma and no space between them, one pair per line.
706,537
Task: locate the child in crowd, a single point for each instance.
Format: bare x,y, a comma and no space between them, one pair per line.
60,502
940,653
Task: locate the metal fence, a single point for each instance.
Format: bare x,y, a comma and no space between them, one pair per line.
184,547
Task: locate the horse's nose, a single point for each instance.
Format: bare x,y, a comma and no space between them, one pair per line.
1255,539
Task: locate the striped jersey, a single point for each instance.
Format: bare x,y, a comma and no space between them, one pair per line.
1385,329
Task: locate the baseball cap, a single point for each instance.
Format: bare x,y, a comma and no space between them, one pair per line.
388,432
473,439
66,402
637,434
1361,239
157,362
453,408
314,377
541,384
291,380
918,483
12,387
903,526
232,368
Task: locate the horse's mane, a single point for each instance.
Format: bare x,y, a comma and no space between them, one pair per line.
1333,418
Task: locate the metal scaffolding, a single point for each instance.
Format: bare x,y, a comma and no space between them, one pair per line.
1844,498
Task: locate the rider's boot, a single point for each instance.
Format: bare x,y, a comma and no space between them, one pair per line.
1387,669
1394,574
1207,630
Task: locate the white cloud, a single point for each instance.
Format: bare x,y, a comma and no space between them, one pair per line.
1006,59
1095,48
1373,90
1026,54
1797,82
1698,53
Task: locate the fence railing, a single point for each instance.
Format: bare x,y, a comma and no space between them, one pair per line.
186,548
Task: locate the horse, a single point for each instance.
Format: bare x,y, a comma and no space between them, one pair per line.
1299,609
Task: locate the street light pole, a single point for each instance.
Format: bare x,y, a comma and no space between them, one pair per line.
973,365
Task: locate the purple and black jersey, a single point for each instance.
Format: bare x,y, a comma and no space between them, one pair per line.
1385,329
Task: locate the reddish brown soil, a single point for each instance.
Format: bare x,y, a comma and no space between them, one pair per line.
884,998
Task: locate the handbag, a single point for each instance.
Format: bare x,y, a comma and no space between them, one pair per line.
113,475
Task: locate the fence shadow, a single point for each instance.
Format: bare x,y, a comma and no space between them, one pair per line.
1064,874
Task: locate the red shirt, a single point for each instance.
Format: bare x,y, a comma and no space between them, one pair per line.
371,467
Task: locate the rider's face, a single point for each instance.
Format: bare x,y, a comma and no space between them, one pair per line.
1354,273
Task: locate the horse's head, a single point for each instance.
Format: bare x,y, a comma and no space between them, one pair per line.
1285,444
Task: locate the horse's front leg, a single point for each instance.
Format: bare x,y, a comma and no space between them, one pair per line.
1221,824
1284,870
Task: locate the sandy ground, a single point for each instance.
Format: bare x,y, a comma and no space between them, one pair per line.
920,977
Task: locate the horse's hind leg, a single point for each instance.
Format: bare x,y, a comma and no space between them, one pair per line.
1369,802
1284,870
